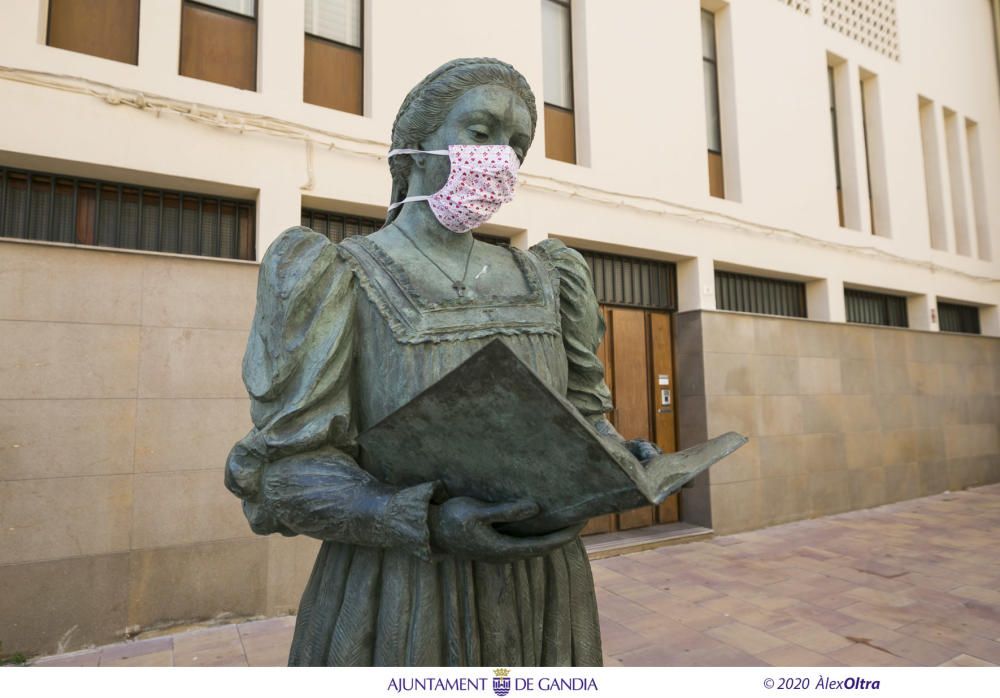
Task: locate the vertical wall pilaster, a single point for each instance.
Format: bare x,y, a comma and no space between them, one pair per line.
281,49
989,320
696,284
919,313
825,300
279,206
160,37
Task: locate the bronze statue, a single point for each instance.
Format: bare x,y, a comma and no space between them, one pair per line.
345,334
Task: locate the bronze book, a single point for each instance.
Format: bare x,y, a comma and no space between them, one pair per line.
491,429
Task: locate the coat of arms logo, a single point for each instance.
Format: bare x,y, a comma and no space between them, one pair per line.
501,681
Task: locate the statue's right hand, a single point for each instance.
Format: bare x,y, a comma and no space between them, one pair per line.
463,527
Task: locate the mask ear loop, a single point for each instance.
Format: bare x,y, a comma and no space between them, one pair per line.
412,151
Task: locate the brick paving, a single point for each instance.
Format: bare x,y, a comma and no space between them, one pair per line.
915,583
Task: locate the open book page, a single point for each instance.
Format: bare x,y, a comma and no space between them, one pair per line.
491,429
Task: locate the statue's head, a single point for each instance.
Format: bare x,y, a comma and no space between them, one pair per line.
465,101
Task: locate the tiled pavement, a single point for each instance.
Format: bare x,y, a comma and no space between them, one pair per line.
912,583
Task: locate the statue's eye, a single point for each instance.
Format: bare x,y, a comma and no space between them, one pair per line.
479,133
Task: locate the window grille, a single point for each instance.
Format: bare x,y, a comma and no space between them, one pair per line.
955,317
338,226
633,282
757,294
875,308
55,208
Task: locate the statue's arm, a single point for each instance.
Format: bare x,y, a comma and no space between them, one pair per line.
324,494
582,330
296,470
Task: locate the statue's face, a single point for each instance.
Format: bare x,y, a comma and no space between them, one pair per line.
484,115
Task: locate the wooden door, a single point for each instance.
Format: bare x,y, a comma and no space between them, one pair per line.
638,366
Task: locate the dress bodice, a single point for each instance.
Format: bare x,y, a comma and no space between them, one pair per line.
407,342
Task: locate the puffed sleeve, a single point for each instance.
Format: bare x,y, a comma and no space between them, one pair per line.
582,329
296,470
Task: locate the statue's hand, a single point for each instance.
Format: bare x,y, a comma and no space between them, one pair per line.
463,527
643,450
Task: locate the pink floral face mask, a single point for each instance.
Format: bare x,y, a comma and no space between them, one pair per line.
482,178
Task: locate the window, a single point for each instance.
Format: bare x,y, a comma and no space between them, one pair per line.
106,28
334,55
862,195
836,145
980,208
956,317
713,120
758,294
959,206
933,173
53,208
631,281
338,226
871,132
219,42
875,308
560,124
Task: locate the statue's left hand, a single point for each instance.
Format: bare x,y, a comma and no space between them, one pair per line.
463,527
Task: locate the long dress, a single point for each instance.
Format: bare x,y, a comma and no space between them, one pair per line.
340,339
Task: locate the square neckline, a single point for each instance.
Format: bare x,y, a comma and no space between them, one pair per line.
529,273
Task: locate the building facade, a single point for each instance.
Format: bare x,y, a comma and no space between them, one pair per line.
791,209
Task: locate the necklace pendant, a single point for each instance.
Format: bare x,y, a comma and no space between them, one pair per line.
459,288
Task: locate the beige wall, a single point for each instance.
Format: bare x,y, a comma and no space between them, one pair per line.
121,396
839,416
642,185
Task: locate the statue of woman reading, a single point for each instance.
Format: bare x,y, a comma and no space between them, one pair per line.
345,334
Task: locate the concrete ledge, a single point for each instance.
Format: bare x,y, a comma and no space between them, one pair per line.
620,542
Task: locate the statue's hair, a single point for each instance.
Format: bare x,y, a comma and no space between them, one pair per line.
427,105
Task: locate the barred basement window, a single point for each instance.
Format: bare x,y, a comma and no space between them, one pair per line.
632,282
53,208
758,294
875,308
955,317
338,226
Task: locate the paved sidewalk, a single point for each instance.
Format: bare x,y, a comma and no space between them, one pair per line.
912,583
